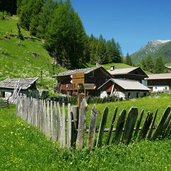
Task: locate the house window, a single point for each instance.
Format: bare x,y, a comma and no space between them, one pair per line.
137,95
129,95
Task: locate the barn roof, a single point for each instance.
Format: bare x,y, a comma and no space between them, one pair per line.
122,71
159,76
83,70
127,84
24,83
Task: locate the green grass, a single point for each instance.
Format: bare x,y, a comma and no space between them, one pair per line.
22,147
149,103
17,59
117,65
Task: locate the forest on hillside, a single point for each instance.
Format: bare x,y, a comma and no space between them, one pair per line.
59,26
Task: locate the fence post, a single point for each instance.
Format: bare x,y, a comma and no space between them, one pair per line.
159,129
129,125
102,127
111,126
74,125
69,126
92,128
81,125
119,127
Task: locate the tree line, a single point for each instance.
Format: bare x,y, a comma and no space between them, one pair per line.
153,65
64,35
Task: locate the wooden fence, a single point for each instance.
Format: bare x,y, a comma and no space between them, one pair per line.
67,125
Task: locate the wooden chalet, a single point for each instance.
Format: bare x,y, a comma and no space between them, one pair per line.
85,80
159,82
133,73
22,85
123,89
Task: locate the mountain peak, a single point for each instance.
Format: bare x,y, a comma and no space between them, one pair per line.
158,42
154,48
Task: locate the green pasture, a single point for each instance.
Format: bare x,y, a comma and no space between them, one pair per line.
148,104
24,58
22,147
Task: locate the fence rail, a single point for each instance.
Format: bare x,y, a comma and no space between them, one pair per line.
67,126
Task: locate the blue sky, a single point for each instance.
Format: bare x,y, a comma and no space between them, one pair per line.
132,23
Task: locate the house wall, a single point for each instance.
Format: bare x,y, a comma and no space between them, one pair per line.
159,89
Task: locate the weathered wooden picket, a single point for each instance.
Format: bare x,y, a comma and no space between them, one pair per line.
69,129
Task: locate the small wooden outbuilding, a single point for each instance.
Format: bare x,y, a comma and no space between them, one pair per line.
123,89
22,85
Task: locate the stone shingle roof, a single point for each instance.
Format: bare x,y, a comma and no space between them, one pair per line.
24,83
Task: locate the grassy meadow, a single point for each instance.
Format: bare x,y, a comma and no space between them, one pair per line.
22,147
148,104
24,58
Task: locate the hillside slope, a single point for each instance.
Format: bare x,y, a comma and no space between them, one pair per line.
24,58
154,49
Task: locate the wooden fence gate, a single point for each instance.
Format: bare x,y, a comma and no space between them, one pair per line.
67,125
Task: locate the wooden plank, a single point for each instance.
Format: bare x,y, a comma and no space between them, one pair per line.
77,81
51,120
77,75
119,127
69,131
89,86
63,126
165,127
92,128
55,121
81,126
152,125
102,127
48,119
168,130
159,129
111,126
138,125
129,125
146,126
74,125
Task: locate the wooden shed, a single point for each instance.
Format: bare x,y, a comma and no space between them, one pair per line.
22,85
123,89
87,79
159,82
133,73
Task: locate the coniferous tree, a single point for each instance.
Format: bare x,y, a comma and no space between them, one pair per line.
66,37
34,21
159,65
45,17
128,60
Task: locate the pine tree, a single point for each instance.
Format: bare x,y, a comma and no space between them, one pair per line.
159,65
66,37
128,60
34,20
45,17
